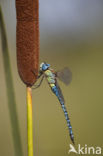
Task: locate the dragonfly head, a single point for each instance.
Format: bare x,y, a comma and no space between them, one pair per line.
44,66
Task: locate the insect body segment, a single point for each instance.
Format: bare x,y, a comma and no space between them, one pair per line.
50,77
52,81
56,92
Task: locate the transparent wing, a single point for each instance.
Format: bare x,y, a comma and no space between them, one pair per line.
60,92
65,75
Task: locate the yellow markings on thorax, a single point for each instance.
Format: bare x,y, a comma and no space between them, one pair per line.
50,77
52,84
48,73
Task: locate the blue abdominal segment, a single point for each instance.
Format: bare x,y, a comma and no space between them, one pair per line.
56,92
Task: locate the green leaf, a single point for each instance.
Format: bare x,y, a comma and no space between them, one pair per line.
10,90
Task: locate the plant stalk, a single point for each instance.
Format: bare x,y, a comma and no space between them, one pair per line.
29,122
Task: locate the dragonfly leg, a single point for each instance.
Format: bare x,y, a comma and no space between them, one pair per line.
40,74
37,86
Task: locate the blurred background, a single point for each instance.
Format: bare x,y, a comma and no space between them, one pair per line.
71,34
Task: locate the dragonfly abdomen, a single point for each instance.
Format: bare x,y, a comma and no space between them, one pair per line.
56,92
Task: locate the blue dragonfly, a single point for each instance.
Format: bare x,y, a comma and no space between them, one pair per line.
51,76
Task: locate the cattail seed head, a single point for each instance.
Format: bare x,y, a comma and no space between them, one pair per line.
27,40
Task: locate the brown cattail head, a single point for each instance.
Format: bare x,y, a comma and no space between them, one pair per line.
28,40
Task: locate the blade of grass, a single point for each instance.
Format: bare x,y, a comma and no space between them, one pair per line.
29,122
10,90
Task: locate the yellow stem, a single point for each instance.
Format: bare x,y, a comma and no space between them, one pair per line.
29,122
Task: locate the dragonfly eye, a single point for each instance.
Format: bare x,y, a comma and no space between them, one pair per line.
44,66
48,65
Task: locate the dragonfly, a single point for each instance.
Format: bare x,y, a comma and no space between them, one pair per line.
51,76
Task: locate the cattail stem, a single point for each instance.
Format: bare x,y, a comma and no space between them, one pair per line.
29,122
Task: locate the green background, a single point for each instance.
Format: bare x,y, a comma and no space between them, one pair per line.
82,51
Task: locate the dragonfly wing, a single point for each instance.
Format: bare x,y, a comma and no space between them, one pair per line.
65,75
60,92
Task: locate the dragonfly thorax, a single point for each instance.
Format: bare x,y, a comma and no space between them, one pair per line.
50,76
